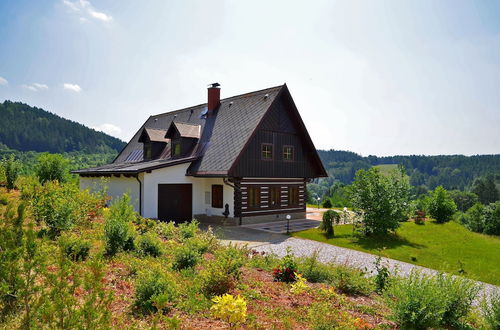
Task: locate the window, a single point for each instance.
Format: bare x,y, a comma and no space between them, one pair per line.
147,151
267,151
254,197
217,200
275,196
293,196
176,149
288,153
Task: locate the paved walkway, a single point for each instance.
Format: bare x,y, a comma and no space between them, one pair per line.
278,243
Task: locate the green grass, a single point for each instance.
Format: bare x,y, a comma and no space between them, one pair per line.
446,247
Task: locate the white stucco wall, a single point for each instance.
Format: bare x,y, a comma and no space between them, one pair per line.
177,174
150,181
116,187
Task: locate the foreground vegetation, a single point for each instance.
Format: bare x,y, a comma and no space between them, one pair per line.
66,262
448,247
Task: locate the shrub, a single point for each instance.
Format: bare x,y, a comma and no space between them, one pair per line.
350,280
167,230
492,219
491,310
4,200
382,277
483,219
221,273
149,245
154,290
185,257
57,206
11,169
144,225
314,270
231,309
422,301
383,199
285,272
51,167
118,230
76,248
327,204
188,229
300,285
330,217
441,207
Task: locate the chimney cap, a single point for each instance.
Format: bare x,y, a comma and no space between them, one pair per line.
214,85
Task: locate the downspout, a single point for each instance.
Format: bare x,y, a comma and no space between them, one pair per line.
140,194
226,182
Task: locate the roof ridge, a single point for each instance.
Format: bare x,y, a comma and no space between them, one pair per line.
224,99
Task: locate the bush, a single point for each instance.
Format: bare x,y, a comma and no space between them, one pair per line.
422,301
167,230
11,169
314,270
185,257
119,232
483,219
221,273
76,248
350,280
327,204
188,229
383,199
155,290
441,207
491,310
51,167
382,277
285,272
330,217
4,200
231,309
149,245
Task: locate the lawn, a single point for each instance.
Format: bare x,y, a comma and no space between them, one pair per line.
447,247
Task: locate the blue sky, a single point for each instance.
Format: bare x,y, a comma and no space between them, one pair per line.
374,77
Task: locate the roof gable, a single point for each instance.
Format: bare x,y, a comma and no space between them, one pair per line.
185,130
153,135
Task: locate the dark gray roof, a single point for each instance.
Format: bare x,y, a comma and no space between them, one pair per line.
223,135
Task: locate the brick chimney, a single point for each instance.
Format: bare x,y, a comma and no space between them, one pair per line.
213,97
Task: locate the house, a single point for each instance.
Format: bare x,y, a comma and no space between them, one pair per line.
246,157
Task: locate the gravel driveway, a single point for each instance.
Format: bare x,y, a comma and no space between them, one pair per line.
365,261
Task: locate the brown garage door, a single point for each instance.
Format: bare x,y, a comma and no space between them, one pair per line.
175,202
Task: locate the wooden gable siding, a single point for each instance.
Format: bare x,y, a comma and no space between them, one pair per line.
264,207
279,128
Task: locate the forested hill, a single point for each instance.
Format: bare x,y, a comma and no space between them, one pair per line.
452,172
27,128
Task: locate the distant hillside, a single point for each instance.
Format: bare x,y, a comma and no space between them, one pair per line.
26,128
452,172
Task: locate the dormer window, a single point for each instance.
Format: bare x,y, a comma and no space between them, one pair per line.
154,142
184,138
147,151
176,149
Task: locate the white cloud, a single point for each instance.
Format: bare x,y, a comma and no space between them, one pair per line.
40,86
72,87
85,8
35,87
3,81
100,15
110,129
